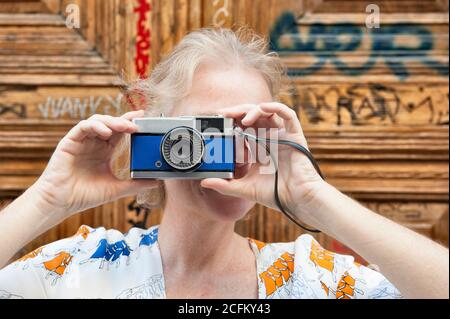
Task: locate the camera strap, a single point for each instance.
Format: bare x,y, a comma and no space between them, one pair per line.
264,142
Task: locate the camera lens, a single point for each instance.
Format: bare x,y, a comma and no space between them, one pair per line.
182,148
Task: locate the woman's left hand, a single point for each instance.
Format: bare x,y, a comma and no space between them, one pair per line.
298,180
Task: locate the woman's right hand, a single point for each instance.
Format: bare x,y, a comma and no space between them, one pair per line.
79,174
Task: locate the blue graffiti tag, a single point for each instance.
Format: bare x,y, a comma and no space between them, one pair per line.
150,238
324,42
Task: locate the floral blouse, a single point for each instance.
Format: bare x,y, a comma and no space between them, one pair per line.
100,263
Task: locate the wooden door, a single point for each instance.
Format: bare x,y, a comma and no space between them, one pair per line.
373,101
52,76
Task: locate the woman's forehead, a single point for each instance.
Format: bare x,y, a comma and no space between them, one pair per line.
199,110
216,87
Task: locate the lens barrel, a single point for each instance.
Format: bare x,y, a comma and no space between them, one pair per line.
182,148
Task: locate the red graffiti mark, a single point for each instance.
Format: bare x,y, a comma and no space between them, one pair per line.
143,44
135,99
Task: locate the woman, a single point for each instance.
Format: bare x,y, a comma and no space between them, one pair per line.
195,253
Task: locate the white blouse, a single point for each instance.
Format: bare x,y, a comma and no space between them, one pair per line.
100,263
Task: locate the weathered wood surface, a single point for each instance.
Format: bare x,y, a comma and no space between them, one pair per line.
373,102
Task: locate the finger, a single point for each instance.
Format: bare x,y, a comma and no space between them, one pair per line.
132,187
96,129
133,114
118,130
253,115
257,117
120,125
116,124
128,116
87,128
116,139
291,121
237,111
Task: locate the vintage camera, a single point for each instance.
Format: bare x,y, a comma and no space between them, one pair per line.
183,147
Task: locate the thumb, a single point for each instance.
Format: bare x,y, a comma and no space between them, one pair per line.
226,187
132,187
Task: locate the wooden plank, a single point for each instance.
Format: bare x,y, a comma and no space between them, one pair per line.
155,34
386,6
31,19
195,14
69,80
33,6
114,38
121,36
343,46
129,18
385,18
217,13
166,27
54,6
59,103
139,38
393,152
51,61
369,104
88,29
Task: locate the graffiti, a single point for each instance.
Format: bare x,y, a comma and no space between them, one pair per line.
16,109
143,44
370,103
326,41
8,108
138,210
382,102
135,99
80,108
221,14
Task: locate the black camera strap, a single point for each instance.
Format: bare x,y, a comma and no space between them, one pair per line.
264,142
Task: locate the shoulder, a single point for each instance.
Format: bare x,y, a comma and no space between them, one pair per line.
93,257
304,248
277,265
97,243
304,269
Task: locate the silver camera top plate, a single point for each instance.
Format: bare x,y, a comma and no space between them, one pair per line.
161,125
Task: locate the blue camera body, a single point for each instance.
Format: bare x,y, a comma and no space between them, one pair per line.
183,148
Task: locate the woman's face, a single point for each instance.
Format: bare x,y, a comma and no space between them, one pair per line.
215,87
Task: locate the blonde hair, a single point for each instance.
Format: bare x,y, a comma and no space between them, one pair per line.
171,79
